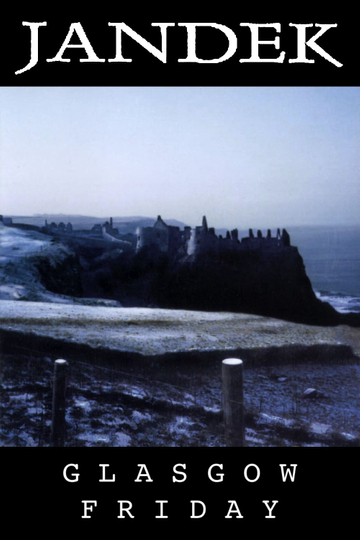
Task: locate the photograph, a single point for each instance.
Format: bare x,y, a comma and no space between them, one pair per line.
150,234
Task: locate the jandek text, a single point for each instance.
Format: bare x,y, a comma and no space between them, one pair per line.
188,33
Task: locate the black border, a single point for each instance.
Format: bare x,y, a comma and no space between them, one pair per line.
34,492
145,70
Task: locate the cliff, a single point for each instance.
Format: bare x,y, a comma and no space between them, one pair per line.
261,276
260,281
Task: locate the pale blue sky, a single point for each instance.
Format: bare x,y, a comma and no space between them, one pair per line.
242,156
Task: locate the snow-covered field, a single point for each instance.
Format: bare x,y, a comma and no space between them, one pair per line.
182,407
156,331
175,404
19,277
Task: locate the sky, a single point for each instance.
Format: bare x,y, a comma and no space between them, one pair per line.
257,157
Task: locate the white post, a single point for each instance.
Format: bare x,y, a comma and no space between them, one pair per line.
233,401
58,404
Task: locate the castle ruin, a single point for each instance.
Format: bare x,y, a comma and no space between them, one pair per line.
165,238
202,239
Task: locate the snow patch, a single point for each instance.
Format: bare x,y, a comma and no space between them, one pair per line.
122,439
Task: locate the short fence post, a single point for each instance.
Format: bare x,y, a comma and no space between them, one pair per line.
233,402
58,404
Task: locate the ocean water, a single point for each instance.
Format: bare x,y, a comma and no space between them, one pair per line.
332,260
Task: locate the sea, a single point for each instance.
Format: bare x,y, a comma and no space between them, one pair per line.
331,256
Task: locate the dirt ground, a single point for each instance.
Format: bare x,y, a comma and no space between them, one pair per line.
180,406
163,386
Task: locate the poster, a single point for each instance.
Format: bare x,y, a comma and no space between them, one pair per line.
191,489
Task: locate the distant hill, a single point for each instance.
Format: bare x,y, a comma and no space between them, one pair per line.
125,224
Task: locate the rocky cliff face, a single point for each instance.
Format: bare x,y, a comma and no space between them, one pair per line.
263,282
269,282
62,276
